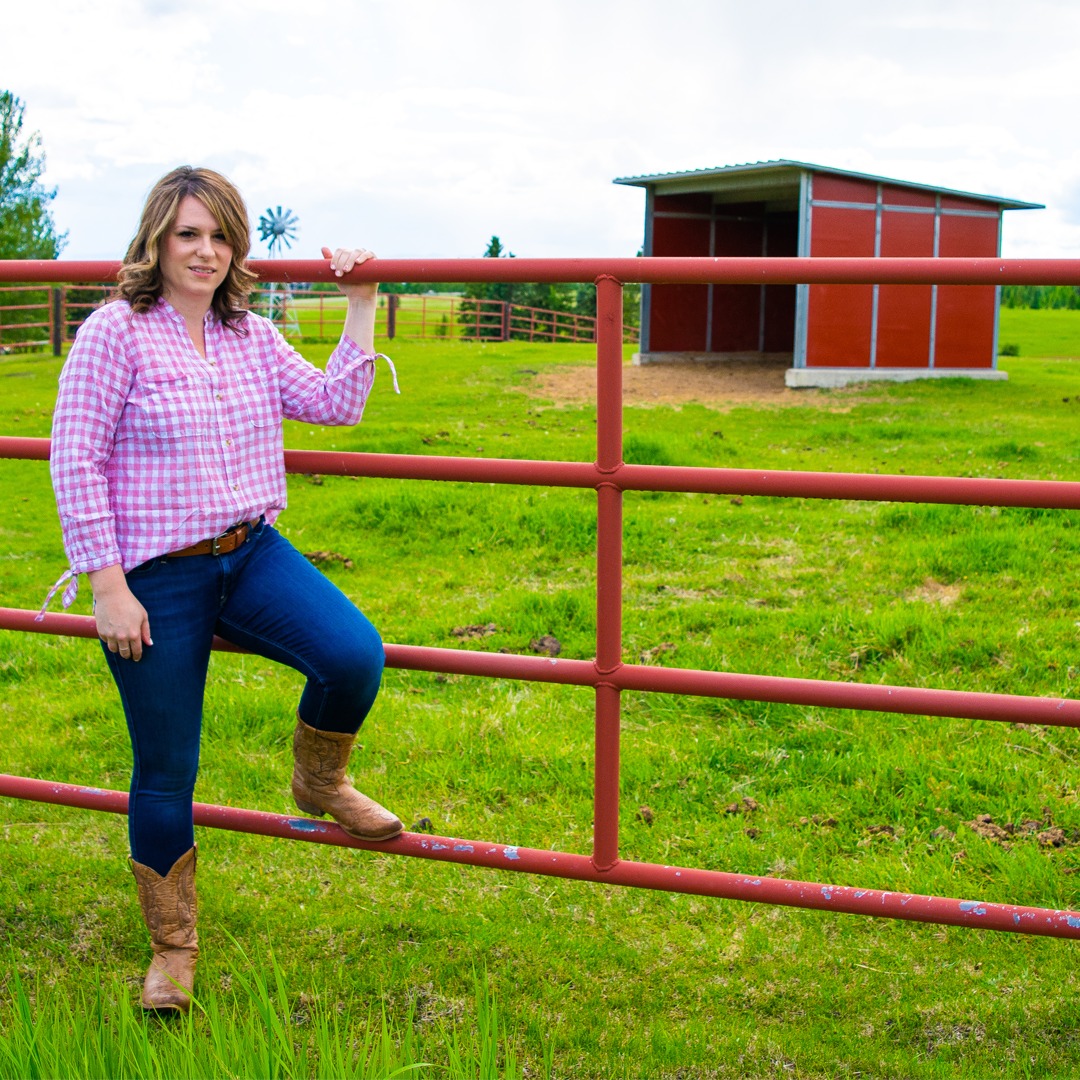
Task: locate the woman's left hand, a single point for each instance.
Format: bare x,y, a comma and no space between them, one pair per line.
342,260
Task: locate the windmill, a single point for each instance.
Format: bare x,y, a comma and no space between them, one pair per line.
277,228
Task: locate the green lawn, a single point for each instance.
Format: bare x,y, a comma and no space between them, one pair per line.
602,981
322,315
1041,333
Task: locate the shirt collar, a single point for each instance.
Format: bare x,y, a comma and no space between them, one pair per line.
209,319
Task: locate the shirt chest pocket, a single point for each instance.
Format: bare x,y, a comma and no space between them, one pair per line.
169,408
258,406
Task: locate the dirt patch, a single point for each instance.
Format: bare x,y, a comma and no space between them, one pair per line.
719,384
934,592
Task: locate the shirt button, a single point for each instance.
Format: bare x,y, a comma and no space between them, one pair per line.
236,487
221,397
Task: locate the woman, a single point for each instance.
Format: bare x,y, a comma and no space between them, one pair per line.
168,468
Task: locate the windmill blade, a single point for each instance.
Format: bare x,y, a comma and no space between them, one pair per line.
277,227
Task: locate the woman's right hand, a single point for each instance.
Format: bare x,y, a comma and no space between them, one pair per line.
342,260
122,622
362,296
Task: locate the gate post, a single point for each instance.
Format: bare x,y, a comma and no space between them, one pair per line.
391,315
609,543
56,318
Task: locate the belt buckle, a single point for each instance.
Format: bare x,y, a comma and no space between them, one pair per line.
215,545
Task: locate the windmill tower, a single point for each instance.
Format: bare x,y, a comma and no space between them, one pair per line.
277,228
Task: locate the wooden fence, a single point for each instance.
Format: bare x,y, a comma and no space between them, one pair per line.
36,317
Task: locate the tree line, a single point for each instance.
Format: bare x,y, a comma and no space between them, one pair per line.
1041,296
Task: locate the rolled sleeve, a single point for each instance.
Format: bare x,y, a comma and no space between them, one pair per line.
334,397
94,385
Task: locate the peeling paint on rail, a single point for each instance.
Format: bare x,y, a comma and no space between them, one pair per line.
715,883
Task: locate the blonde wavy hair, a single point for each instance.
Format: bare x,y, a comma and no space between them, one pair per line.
139,281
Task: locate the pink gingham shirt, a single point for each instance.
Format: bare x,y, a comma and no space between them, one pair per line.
155,447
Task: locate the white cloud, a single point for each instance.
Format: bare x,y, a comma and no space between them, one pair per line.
428,126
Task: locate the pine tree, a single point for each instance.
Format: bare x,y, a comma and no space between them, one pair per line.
26,226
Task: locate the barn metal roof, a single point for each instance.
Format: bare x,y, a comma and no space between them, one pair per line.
773,179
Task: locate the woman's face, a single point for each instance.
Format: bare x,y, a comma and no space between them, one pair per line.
195,257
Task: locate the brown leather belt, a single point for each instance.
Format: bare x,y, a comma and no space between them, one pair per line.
228,541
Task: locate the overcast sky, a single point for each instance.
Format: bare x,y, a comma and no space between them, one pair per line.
423,127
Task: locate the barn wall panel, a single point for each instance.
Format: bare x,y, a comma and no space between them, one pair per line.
678,314
843,189
900,196
700,203
679,318
782,240
904,311
680,236
966,314
955,202
840,317
736,315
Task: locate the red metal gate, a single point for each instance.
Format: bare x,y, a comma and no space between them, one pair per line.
607,674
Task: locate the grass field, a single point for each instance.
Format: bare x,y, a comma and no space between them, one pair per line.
1039,333
322,315
584,980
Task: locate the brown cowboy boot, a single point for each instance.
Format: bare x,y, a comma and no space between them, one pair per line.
319,785
169,906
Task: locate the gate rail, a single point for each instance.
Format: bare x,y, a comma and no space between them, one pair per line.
607,674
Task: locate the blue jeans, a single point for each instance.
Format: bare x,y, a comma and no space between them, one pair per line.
265,597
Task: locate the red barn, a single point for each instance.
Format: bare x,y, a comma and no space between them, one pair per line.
831,334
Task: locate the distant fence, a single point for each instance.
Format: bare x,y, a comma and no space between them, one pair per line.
35,318
321,315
